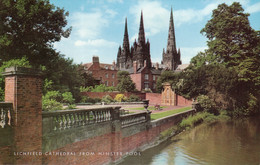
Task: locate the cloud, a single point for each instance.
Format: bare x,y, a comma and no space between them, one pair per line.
187,53
96,43
156,18
253,8
88,25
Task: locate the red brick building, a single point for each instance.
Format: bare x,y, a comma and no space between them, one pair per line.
145,78
104,73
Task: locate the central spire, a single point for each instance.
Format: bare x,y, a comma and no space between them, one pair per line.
171,45
126,39
141,35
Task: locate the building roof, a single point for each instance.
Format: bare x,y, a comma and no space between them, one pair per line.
182,67
102,66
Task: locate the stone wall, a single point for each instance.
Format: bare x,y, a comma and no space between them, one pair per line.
113,146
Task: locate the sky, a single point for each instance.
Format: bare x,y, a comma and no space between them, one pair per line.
98,26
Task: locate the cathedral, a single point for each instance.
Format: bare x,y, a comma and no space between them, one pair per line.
139,53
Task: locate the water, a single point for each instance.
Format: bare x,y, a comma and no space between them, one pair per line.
223,143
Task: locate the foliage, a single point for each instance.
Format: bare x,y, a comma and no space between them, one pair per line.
107,99
71,106
166,76
125,83
97,88
228,72
89,80
120,98
51,105
29,28
133,98
23,62
206,103
86,99
51,101
67,98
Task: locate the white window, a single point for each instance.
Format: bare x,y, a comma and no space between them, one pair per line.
113,76
113,84
154,85
106,67
146,85
106,83
146,76
154,77
106,75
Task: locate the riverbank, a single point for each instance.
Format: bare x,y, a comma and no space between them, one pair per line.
223,142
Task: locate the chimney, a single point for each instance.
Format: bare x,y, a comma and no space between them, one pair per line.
157,65
95,60
135,67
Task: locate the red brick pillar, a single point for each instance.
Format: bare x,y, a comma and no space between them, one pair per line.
23,88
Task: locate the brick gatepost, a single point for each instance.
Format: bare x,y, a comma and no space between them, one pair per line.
23,88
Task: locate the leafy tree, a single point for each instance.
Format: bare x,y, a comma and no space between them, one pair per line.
29,28
125,83
228,72
233,43
166,76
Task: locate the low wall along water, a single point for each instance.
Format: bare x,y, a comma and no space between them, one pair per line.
83,136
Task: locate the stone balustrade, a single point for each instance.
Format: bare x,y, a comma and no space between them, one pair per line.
5,114
136,118
67,119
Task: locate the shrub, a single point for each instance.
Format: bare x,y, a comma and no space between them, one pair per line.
71,106
133,98
107,99
67,98
54,95
206,103
51,105
120,98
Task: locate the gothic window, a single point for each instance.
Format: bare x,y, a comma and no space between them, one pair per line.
146,76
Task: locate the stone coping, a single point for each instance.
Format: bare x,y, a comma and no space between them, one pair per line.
15,70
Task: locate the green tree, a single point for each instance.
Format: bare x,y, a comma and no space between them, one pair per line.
125,83
29,28
166,76
233,43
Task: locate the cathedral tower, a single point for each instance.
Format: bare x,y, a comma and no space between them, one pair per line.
171,58
124,59
141,49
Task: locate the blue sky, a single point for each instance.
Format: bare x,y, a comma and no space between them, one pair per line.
98,25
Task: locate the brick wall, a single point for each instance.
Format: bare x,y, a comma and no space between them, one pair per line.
112,94
154,98
137,79
181,101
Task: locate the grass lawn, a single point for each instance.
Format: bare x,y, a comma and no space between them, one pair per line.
149,108
168,113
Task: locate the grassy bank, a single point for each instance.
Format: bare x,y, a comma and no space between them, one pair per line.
200,117
151,108
168,113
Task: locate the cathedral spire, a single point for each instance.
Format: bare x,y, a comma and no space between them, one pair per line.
171,36
126,39
141,35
